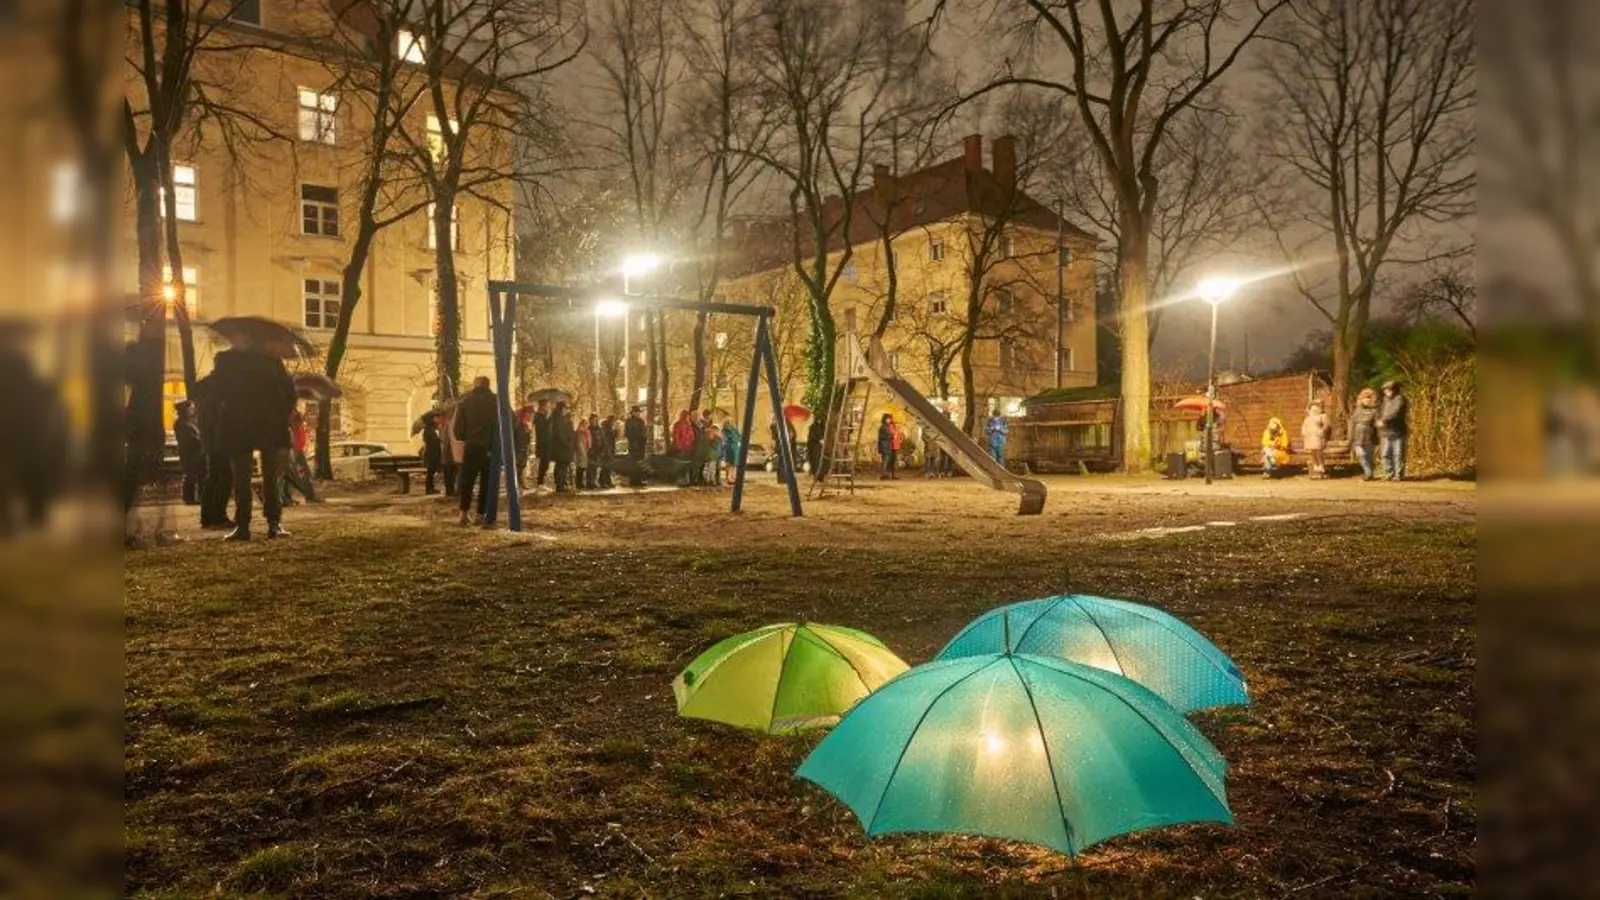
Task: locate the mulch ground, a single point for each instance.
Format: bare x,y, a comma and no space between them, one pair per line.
389,705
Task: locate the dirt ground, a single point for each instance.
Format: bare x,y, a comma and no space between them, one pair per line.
388,704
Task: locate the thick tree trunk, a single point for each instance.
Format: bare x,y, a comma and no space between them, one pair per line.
969,389
1134,314
820,356
699,361
659,337
146,432
350,297
180,290
448,342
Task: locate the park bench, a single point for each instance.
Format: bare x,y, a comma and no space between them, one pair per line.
402,467
1333,452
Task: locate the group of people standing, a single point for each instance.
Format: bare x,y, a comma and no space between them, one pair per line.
709,449
936,463
1374,425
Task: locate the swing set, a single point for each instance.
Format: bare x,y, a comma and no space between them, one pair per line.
503,298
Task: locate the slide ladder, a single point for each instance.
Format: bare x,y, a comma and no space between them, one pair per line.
973,458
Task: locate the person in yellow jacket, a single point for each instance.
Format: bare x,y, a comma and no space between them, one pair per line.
1274,446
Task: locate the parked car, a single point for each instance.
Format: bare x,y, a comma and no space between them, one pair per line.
757,457
343,449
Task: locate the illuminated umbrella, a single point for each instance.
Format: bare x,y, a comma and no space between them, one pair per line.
1197,403
784,677
1141,642
1022,748
552,394
265,336
316,386
795,411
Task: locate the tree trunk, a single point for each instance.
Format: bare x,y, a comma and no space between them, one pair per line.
145,429
180,290
699,361
969,389
448,341
1133,265
350,298
659,338
891,270
820,356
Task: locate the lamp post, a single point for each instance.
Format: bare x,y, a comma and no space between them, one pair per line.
1062,255
1213,291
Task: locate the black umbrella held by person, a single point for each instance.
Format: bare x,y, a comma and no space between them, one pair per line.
264,336
315,386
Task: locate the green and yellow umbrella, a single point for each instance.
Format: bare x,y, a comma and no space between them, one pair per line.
785,677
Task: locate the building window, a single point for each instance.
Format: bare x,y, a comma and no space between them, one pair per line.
935,249
185,189
644,395
191,288
894,360
245,12
644,321
322,303
1008,353
319,115
644,357
455,228
1007,250
66,192
319,210
721,340
437,148
850,320
1005,303
1067,364
938,304
850,273
410,46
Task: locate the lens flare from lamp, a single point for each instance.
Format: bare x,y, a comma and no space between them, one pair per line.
640,263
1215,290
610,309
993,743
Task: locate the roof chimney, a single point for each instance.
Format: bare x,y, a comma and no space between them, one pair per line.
972,152
883,184
1005,161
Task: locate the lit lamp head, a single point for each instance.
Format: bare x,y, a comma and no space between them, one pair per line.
169,294
1216,290
610,308
640,263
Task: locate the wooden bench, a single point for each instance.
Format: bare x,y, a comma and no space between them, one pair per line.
402,467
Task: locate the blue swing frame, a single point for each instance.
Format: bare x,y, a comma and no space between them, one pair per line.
503,297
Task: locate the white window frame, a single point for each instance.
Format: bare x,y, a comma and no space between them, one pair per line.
317,290
455,227
938,303
436,145
186,188
66,192
1008,248
936,249
411,46
319,116
323,208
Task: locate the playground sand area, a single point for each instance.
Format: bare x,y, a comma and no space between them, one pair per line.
388,704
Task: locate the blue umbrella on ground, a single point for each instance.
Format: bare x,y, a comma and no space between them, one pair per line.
1019,747
1141,642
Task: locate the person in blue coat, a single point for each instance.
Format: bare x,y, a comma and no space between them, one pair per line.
730,447
996,430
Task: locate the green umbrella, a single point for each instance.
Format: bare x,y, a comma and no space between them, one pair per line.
1020,747
784,677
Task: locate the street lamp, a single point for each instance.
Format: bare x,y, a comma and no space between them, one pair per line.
1213,291
605,309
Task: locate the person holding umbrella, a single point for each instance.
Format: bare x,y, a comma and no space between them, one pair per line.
563,445
217,484
541,439
255,396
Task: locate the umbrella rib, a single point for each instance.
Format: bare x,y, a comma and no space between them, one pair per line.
1049,759
1121,669
889,782
1143,614
839,653
1054,603
783,666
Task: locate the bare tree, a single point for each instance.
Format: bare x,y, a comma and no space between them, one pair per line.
1374,120
1135,69
488,119
1449,293
829,66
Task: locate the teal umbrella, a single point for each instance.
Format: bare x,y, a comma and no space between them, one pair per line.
1019,747
1147,645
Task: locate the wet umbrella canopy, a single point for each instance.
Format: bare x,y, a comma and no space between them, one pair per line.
1147,645
554,395
1197,403
314,386
784,677
1022,748
264,336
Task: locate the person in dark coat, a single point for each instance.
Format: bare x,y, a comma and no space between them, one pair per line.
541,439
563,445
1364,430
1394,425
477,424
217,483
637,434
814,442
255,397
597,455
607,445
191,458
521,439
432,451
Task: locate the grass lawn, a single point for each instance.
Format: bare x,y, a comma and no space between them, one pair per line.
389,705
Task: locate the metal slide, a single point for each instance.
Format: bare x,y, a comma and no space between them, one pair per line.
973,458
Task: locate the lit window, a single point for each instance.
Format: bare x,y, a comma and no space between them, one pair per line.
191,288
644,395
455,228
850,320
411,46
644,357
322,303
66,192
935,249
721,340
319,117
246,12
1004,302
850,273
186,192
437,147
1069,360
938,305
1006,249
319,210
